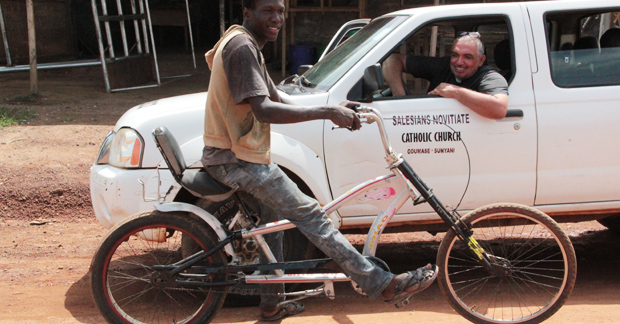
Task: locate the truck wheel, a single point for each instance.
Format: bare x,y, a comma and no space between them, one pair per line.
611,222
295,247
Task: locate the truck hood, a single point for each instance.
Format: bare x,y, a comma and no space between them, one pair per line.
182,115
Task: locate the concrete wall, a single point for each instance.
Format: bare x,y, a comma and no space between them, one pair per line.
57,20
54,34
318,28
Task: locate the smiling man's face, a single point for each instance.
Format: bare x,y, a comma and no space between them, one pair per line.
265,20
464,59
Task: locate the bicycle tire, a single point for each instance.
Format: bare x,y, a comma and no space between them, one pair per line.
539,266
124,286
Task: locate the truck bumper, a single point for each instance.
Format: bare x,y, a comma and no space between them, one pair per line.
116,193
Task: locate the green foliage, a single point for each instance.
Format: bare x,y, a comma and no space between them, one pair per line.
14,116
23,98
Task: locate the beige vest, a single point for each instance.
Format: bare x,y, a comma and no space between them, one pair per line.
231,126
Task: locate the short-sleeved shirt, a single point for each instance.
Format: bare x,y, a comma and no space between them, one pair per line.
241,59
437,70
243,69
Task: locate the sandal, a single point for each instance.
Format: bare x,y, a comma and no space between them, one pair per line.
415,282
290,309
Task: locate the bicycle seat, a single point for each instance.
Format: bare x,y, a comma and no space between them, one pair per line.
198,182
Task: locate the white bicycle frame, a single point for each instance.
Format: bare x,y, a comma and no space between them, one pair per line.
388,193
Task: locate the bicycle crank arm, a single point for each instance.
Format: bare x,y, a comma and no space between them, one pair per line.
299,295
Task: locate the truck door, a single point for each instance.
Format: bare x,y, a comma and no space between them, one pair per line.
467,159
577,91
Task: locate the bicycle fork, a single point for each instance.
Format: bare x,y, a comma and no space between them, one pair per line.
463,231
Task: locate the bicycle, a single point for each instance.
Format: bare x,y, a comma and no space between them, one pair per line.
499,263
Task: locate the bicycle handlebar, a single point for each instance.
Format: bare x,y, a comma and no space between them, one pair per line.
369,115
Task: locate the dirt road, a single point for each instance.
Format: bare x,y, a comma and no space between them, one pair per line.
44,169
44,279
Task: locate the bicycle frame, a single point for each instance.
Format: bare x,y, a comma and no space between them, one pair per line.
389,193
526,276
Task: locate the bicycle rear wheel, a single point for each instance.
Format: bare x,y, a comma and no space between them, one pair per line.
537,266
126,288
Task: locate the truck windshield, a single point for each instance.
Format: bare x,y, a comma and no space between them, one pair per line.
332,67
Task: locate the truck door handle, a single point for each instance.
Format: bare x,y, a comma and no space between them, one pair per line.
514,113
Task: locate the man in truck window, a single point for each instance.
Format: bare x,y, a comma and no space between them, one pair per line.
241,104
611,38
462,76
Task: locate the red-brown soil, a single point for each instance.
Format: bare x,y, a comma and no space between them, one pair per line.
44,168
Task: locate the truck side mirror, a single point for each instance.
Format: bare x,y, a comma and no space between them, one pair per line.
303,68
372,81
368,86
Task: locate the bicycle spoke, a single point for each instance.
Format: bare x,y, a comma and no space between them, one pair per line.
133,297
469,269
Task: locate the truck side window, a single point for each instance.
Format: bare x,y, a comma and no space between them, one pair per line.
435,40
584,48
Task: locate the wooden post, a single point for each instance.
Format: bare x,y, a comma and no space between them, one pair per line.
434,32
362,9
291,19
231,11
283,37
5,40
222,18
32,48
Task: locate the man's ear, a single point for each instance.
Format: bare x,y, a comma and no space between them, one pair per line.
482,60
246,13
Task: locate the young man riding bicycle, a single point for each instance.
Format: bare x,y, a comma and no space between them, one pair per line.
242,102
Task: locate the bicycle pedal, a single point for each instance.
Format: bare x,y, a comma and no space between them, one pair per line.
403,302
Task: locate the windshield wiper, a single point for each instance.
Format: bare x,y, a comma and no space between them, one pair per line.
300,81
289,79
305,82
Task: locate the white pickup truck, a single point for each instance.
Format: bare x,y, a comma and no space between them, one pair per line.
557,149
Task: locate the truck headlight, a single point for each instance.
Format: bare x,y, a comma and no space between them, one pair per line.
122,149
104,151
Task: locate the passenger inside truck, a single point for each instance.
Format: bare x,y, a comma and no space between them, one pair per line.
435,40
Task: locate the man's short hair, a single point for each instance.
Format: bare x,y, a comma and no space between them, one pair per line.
467,38
250,4
611,38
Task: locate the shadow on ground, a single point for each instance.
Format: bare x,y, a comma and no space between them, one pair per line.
598,280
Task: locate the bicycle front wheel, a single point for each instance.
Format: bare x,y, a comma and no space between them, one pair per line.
535,266
127,289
